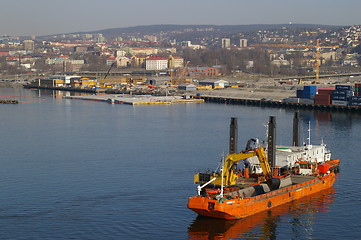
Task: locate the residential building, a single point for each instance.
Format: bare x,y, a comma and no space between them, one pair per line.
29,45
137,60
156,63
151,38
144,50
226,42
176,62
243,43
122,61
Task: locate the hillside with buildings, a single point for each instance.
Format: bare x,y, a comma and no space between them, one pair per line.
184,54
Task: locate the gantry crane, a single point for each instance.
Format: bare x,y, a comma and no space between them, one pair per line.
317,47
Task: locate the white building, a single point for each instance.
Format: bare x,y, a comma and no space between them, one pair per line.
226,42
243,43
156,63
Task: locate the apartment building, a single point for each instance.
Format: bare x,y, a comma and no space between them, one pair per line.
156,63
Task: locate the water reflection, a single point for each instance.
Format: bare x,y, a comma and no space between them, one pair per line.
264,225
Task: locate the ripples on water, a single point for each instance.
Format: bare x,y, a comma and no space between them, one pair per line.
89,170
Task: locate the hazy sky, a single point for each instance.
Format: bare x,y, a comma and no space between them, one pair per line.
41,17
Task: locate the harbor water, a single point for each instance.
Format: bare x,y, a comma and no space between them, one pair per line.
73,169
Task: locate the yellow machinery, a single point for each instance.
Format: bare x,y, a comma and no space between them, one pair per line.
317,47
228,172
180,81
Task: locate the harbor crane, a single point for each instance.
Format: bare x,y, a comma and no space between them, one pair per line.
182,73
317,47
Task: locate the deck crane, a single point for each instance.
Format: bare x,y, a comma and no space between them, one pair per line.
227,175
317,47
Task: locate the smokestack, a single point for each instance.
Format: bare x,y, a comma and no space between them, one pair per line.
233,136
296,129
271,141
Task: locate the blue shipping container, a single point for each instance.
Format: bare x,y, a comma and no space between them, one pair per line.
310,90
354,103
339,97
299,94
344,87
355,98
343,93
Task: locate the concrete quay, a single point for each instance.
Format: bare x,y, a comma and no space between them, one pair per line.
280,104
137,99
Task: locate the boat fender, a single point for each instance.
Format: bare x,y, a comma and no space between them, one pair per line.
274,183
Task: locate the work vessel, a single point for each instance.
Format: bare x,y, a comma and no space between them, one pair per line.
263,176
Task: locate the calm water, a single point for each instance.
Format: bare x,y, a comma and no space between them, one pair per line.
90,170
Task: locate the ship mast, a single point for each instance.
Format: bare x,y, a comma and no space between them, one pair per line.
222,185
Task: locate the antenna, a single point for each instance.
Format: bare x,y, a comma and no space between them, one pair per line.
221,194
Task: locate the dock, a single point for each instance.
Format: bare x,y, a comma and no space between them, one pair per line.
281,104
137,99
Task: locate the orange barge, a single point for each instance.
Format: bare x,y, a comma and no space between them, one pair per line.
232,193
235,206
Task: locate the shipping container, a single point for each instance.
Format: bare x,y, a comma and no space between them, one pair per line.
325,91
339,102
322,102
343,93
291,100
309,92
299,94
306,100
355,99
354,103
339,97
322,96
344,87
323,99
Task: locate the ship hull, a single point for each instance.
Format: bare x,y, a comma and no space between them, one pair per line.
237,208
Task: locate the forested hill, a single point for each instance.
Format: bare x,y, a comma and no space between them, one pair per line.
220,29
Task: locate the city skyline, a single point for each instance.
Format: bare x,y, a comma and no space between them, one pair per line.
41,17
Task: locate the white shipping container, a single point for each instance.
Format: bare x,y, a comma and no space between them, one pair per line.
291,100
338,102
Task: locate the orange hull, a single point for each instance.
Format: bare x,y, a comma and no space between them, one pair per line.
242,207
204,228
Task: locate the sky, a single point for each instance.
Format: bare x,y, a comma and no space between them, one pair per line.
44,17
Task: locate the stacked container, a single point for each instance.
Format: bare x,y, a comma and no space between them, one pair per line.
323,96
342,94
355,101
308,92
357,89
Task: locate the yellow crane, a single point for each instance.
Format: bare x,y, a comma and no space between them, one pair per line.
227,176
317,47
179,81
170,69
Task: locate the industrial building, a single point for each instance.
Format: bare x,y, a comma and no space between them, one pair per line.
214,83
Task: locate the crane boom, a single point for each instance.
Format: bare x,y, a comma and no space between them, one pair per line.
228,174
317,47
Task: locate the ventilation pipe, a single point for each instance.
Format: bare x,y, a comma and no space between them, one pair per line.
296,129
233,136
271,141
